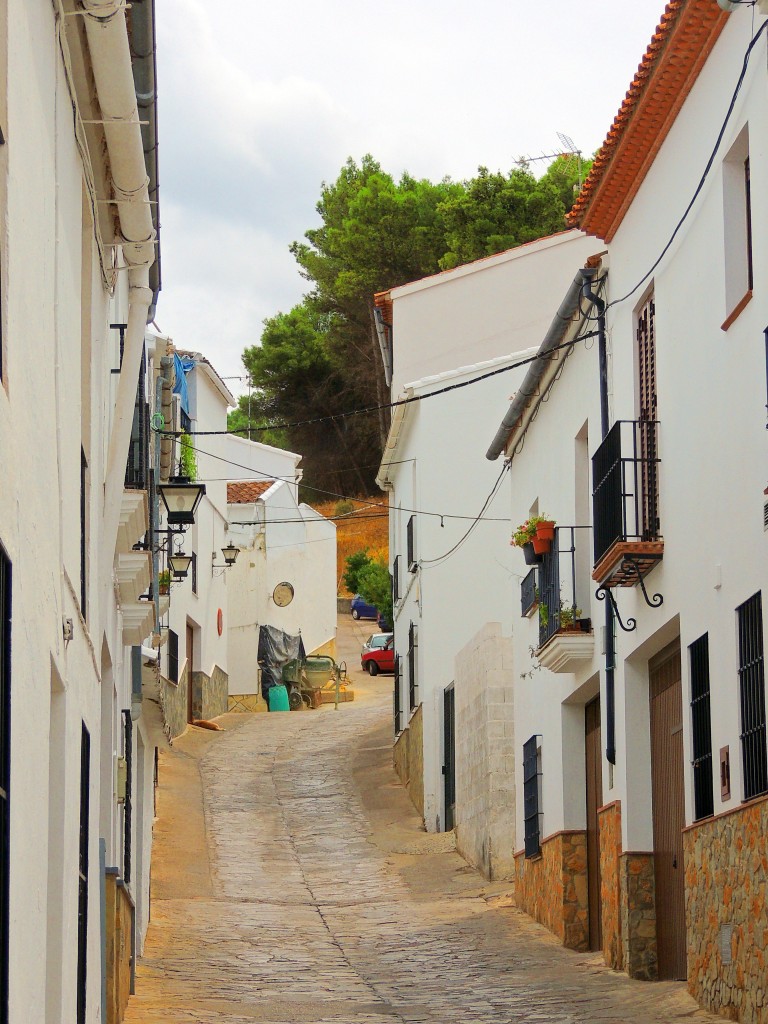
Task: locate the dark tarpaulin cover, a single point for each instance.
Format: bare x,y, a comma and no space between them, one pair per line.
276,649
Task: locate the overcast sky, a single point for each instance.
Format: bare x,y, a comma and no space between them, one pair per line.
259,103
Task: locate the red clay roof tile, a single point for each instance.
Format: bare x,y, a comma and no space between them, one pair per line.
246,492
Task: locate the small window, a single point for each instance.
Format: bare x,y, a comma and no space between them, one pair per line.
193,568
411,544
82,908
173,656
532,795
703,787
413,646
737,228
752,696
528,598
396,580
398,704
83,534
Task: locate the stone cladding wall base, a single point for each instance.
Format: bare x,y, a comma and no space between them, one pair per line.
638,915
552,888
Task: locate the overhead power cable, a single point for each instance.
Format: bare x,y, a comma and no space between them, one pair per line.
707,169
384,405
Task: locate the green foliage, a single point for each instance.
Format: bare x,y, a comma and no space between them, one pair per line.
187,458
376,233
343,508
375,586
355,564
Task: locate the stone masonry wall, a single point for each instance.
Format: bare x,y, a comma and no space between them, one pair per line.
638,916
174,703
485,763
416,759
609,819
400,756
215,693
726,874
552,888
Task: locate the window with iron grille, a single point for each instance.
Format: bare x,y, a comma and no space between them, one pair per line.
193,567
411,544
413,644
5,773
83,533
528,597
137,466
752,692
173,656
532,795
127,803
82,898
703,784
396,580
398,708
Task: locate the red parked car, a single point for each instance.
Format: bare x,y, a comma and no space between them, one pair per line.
378,654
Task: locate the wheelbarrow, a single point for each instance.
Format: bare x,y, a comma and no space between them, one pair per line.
303,677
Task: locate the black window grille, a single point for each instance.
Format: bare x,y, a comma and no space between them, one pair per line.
193,567
413,683
411,544
703,784
83,534
396,580
173,656
532,796
5,773
127,804
752,692
137,467
82,900
625,485
186,422
528,597
397,697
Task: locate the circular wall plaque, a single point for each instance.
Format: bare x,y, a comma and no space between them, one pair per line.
282,595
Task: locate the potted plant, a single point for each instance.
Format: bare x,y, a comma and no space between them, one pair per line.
164,582
523,538
542,533
569,617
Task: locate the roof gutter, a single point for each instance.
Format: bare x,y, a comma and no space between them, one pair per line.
108,45
383,478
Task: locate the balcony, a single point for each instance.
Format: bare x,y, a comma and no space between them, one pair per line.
625,504
565,637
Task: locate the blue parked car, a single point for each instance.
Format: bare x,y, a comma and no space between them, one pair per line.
362,610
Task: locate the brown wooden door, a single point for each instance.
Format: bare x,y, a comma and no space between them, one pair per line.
593,746
190,662
668,790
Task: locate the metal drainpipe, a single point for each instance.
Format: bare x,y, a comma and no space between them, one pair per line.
588,274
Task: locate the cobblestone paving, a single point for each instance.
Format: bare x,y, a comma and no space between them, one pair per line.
325,903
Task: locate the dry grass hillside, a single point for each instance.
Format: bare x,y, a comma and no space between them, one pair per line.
364,529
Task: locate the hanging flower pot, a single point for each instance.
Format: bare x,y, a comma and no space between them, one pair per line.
545,529
541,547
530,555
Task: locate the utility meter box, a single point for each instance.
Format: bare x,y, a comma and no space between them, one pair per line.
121,779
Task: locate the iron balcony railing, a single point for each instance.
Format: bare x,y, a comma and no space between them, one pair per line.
528,590
558,593
625,495
137,468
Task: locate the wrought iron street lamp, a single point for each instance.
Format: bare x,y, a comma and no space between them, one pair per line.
179,564
181,498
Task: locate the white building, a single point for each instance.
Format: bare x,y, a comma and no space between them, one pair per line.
78,248
286,574
645,774
469,318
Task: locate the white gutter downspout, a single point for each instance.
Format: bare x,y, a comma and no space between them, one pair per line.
107,35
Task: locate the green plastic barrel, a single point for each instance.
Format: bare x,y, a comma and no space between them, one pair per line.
278,698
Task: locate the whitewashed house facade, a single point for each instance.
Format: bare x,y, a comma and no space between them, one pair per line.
446,331
79,283
643,740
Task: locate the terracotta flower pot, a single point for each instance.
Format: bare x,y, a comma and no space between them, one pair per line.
541,547
545,530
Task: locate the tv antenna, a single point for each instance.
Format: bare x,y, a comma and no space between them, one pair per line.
569,152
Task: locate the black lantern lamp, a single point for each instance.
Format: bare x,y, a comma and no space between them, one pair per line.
230,553
181,498
179,564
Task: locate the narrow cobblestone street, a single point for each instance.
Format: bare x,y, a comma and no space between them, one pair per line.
296,885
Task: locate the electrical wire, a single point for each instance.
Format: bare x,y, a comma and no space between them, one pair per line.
707,169
384,405
479,518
